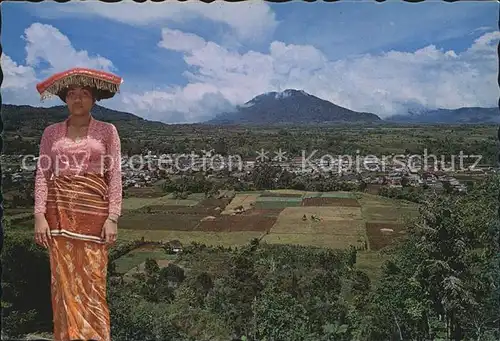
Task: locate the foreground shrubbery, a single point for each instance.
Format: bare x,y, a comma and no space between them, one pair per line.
26,302
439,284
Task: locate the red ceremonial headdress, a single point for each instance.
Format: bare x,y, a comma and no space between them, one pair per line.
105,84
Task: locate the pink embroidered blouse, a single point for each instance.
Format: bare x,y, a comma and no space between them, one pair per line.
99,152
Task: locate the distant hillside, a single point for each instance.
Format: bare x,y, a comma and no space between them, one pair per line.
28,120
287,107
472,115
291,107
17,116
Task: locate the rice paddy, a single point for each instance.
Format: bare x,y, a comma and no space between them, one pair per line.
330,201
246,201
275,212
339,195
381,235
225,239
333,220
136,203
277,204
308,239
138,256
388,213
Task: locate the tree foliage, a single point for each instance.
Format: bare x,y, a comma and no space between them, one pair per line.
440,283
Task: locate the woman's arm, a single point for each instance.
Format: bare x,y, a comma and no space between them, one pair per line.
43,171
114,174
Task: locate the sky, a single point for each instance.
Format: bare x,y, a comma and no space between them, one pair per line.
185,62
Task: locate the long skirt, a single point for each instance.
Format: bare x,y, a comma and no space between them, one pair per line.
77,208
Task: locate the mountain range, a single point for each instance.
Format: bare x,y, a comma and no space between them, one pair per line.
272,108
291,106
471,115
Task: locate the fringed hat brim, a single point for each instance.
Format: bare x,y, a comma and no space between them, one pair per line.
105,83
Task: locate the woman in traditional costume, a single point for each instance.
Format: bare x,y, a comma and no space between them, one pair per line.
78,195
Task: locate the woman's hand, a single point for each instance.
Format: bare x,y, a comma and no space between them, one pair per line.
109,231
42,230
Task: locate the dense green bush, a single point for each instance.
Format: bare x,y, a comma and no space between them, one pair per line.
26,300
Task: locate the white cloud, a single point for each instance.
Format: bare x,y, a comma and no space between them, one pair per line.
16,77
219,78
484,43
482,29
45,45
192,103
179,41
385,84
249,20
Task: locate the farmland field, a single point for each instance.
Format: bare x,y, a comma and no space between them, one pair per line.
145,192
366,199
159,221
135,203
244,200
371,262
187,237
309,239
251,220
277,202
330,201
327,213
279,198
333,220
272,194
291,191
388,213
136,257
381,235
338,227
339,195
238,223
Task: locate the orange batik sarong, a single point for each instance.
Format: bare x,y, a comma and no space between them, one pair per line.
77,208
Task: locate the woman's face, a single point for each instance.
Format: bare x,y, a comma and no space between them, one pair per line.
79,100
